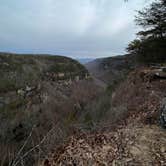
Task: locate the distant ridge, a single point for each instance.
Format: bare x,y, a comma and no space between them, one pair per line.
111,69
85,60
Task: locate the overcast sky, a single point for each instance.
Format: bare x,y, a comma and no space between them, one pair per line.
76,28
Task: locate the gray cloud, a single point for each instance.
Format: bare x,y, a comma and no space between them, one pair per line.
75,28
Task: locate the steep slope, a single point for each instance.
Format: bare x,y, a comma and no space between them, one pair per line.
18,71
37,93
143,91
112,69
137,140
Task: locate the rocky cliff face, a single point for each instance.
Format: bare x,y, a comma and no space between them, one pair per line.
18,71
38,91
22,76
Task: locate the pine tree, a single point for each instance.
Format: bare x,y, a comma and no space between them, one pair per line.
153,20
151,44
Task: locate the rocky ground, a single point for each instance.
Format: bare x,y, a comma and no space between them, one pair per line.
138,145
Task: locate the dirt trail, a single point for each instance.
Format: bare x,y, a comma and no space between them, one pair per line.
131,146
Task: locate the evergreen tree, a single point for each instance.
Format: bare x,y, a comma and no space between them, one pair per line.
151,45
